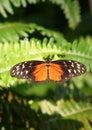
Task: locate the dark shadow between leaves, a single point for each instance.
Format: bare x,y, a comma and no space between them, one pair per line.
35,91
69,90
87,89
16,114
51,91
55,122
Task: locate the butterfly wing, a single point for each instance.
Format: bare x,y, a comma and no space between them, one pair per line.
63,70
39,71
34,71
55,72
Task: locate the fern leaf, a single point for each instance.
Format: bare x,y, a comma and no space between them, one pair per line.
66,114
12,31
87,39
68,110
11,54
5,6
69,8
16,31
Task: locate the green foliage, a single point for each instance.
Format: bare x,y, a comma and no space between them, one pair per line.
68,110
12,31
68,7
6,5
46,106
16,31
52,43
87,39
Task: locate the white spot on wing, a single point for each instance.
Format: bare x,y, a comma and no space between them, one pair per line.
64,63
69,70
21,73
70,61
13,71
78,65
72,64
78,70
66,78
17,67
17,72
82,71
83,68
23,66
26,72
75,71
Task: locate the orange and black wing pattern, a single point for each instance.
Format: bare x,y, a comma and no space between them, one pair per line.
63,70
40,71
34,71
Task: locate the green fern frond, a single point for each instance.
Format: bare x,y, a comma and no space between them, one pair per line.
81,51
13,53
65,108
6,5
87,39
66,114
16,31
71,10
68,7
13,31
68,110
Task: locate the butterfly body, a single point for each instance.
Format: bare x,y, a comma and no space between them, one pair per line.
41,71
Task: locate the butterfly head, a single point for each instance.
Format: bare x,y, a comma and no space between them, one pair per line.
48,59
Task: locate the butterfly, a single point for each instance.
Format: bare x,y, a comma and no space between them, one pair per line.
40,71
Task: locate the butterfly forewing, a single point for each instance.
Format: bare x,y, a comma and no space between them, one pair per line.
70,69
25,69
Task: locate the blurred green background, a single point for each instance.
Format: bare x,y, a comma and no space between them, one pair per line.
45,25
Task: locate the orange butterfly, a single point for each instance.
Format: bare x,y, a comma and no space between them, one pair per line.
40,71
